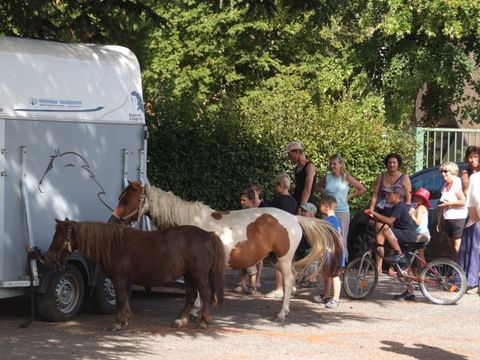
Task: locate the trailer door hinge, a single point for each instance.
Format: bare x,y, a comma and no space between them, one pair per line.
3,173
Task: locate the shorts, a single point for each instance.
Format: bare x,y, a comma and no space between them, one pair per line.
454,227
252,270
404,236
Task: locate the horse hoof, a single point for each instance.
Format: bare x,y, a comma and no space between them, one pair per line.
193,317
280,318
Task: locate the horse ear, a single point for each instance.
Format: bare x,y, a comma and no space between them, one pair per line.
58,221
129,183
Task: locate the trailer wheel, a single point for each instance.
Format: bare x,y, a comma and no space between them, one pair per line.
64,295
103,296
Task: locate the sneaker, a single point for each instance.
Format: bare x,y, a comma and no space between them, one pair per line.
274,294
405,296
321,299
397,258
332,304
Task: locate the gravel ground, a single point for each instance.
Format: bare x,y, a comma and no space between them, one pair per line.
376,328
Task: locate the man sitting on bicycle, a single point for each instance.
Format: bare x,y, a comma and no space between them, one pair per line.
399,227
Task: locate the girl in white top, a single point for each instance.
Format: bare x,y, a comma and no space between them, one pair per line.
452,210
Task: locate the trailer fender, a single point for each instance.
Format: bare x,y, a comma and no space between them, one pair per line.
75,259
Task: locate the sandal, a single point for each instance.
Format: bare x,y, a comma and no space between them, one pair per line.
321,299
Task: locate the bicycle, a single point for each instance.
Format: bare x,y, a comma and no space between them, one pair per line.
442,281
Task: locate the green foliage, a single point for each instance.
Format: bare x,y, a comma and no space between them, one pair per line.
228,83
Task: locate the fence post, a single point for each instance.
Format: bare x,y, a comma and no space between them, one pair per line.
419,147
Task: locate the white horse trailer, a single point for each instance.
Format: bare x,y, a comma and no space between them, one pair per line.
72,128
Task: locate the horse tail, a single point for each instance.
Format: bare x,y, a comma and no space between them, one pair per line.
326,246
216,276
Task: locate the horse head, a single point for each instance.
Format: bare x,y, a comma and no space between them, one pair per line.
132,204
61,247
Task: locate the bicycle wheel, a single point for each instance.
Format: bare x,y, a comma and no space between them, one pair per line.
360,278
443,281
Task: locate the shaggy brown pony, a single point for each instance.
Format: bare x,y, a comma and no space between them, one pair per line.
147,258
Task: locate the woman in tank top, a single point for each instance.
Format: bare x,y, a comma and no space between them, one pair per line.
337,183
393,176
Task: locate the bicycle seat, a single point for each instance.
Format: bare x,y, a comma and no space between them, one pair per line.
413,246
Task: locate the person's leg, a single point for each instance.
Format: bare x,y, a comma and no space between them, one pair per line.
327,286
337,286
242,282
392,240
344,219
251,286
278,281
380,239
258,282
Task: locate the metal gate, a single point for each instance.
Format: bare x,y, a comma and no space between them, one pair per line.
437,145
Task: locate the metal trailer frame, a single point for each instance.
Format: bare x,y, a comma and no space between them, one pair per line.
72,132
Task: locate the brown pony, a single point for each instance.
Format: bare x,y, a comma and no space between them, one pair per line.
147,258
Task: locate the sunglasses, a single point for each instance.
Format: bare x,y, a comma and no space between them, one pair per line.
444,171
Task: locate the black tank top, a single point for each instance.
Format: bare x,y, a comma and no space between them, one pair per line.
300,177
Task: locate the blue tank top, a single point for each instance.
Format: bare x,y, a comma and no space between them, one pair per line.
423,226
338,188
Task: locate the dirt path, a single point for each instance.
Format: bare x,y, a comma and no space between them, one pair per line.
377,328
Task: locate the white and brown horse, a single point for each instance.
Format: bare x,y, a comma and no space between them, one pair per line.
247,235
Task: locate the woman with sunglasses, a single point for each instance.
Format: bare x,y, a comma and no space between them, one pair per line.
337,183
451,207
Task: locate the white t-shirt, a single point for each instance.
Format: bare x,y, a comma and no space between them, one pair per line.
473,193
454,212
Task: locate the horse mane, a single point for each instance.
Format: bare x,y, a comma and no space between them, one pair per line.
99,241
167,209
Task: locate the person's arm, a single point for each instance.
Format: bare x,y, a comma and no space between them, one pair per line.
473,215
320,185
311,170
457,203
465,178
407,186
376,189
418,215
389,220
357,185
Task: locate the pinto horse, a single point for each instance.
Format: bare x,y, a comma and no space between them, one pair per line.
248,235
148,258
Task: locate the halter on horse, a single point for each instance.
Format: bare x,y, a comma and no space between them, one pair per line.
247,235
148,258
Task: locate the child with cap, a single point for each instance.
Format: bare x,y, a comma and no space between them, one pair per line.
399,227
